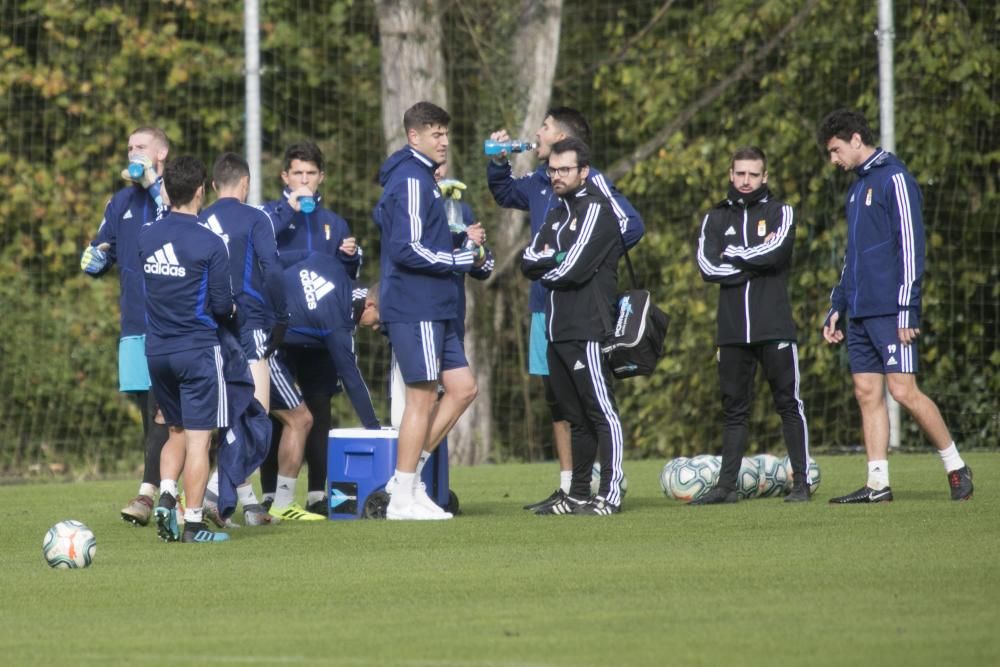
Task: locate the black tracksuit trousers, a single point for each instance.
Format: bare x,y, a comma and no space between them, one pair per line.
737,367
581,383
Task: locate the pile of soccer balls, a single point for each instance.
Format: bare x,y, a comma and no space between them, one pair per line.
761,476
69,545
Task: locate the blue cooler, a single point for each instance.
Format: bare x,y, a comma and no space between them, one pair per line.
361,461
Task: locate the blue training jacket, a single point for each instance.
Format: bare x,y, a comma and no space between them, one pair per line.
186,269
254,267
533,193
127,211
319,294
884,261
320,231
418,258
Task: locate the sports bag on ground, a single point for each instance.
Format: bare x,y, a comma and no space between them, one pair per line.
636,344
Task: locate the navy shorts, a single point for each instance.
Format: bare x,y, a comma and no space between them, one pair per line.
285,393
190,388
873,346
424,350
313,369
254,342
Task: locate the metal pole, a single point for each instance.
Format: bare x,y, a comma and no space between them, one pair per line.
887,116
251,44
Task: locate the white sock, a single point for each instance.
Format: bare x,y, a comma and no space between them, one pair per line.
565,480
213,483
148,490
168,486
404,485
422,462
878,474
192,515
285,493
951,458
315,497
246,494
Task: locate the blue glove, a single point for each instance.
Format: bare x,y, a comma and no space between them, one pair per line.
93,260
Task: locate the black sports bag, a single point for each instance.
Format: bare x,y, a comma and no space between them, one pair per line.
636,343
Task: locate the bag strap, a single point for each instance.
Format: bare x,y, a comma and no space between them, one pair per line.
628,260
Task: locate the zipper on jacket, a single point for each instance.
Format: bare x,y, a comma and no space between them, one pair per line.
746,290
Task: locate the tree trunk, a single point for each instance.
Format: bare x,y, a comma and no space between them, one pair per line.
412,62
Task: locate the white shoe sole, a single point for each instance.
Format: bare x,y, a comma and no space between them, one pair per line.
415,512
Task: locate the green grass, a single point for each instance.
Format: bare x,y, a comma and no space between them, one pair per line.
914,582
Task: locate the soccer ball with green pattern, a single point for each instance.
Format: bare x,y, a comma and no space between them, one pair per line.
69,545
771,475
691,479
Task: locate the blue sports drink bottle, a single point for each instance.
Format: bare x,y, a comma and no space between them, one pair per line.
491,147
307,204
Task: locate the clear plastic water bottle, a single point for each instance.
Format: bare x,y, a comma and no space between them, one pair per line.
136,170
491,147
307,204
453,209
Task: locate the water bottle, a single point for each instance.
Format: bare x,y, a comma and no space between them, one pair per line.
307,204
136,170
453,209
491,147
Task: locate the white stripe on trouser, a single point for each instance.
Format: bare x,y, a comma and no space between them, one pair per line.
289,396
222,419
427,343
259,342
596,369
798,401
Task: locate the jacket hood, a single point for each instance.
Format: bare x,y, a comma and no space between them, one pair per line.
400,157
880,158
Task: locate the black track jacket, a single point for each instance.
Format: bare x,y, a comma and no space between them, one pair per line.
737,250
580,266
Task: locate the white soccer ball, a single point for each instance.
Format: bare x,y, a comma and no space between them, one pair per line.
595,480
771,475
748,480
665,474
691,479
812,473
69,545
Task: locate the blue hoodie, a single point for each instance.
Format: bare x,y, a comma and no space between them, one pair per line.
417,256
884,261
128,210
533,193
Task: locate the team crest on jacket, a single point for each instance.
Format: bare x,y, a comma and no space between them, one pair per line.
572,225
868,198
761,228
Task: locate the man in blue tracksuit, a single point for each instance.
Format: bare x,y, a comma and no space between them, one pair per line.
255,272
879,290
188,293
117,242
418,304
534,193
305,224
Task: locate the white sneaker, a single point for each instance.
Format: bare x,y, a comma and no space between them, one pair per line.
421,498
399,510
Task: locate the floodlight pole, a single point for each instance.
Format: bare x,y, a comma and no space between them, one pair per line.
251,48
887,117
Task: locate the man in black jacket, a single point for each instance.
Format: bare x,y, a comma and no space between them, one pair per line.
746,246
575,255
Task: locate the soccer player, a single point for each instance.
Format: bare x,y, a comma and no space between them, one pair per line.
746,247
534,193
880,291
117,242
316,230
418,304
188,294
575,255
255,272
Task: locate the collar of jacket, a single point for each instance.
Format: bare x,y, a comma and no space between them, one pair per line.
736,198
878,158
429,163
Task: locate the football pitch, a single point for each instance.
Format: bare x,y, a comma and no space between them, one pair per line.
913,582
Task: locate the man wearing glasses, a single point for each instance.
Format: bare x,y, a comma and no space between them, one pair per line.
575,256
